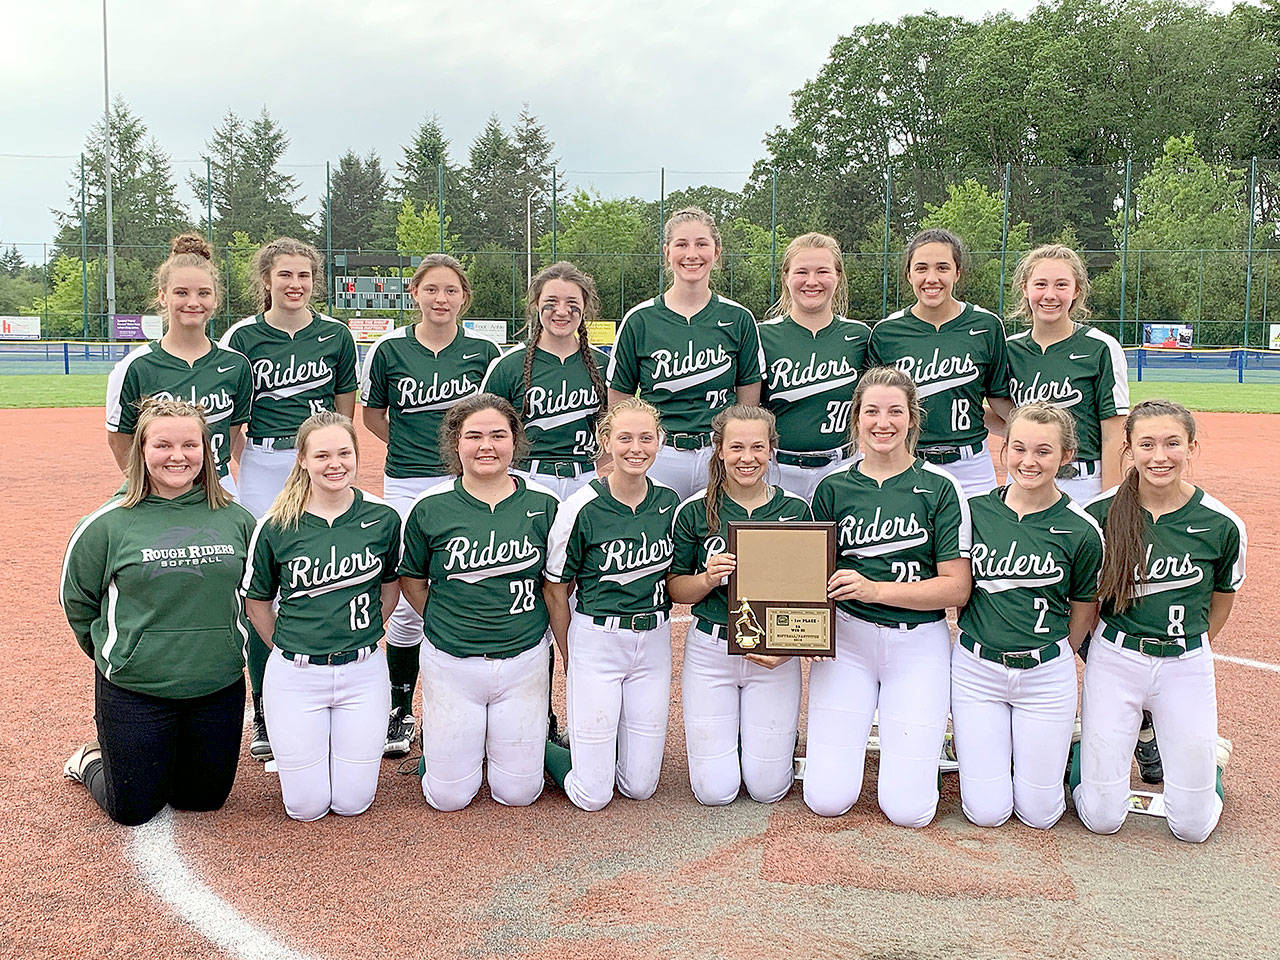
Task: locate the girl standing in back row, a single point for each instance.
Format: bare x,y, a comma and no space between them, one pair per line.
303,362
411,377
954,352
689,352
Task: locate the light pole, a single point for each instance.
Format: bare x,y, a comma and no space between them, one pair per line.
106,120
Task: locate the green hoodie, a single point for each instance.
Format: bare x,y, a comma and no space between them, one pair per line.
151,593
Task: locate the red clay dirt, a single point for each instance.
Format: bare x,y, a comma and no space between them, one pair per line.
662,878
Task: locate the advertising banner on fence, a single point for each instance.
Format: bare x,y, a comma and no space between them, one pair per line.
136,326
369,329
1274,339
601,332
1175,336
495,330
19,328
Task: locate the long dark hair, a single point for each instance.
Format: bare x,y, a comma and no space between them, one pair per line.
562,270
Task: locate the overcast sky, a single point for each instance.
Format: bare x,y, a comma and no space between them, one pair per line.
622,86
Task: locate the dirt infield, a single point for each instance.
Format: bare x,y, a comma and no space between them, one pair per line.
663,878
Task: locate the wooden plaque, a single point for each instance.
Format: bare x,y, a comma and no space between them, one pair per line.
778,604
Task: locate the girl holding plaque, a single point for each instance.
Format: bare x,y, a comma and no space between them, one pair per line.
902,558
752,700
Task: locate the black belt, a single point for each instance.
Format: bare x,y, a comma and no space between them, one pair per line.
821,459
944,453
558,468
328,659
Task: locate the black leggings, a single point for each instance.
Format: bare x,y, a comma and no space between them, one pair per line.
157,750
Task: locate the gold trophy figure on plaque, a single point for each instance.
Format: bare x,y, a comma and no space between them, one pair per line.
747,628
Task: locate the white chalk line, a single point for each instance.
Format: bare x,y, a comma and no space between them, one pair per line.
155,853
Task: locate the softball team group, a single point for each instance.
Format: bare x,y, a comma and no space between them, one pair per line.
554,498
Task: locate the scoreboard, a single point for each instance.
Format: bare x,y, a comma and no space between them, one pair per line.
372,293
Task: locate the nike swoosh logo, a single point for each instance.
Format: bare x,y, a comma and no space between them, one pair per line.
918,490
370,523
1077,356
470,356
976,333
785,519
323,339
226,369
1056,530
663,509
725,323
849,338
534,513
1198,529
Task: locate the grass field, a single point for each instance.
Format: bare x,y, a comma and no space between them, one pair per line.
87,390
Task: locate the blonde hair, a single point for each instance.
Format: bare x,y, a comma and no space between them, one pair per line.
1126,527
265,258
561,270
715,467
1079,311
291,503
604,426
888,377
432,260
1046,414
813,241
451,428
137,480
186,250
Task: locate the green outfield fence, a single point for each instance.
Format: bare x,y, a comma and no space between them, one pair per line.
1221,284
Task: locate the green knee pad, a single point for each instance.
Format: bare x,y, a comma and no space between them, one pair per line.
557,761
1073,778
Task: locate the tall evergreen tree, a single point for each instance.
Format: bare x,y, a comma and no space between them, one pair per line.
533,149
417,178
493,188
358,194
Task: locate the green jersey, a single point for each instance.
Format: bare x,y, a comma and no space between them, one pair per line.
809,380
954,368
563,403
618,556
294,375
329,576
1085,374
694,544
417,386
151,593
687,368
484,566
220,382
899,530
1191,554
1027,572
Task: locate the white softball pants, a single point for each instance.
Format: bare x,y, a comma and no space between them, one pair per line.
801,481
618,693
328,726
684,471
1179,691
1082,489
562,487
729,700
906,675
404,626
262,476
477,709
975,471
1012,720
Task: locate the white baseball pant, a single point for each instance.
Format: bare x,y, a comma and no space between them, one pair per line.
328,726
562,487
229,484
1083,489
1179,691
906,675
618,691
975,472
404,626
729,700
684,471
1012,736
801,481
477,709
263,471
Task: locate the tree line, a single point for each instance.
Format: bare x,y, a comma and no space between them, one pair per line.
928,120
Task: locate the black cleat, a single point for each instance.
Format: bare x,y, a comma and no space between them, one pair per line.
1147,753
259,745
400,729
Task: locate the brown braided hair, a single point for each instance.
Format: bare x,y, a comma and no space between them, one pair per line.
1124,561
561,270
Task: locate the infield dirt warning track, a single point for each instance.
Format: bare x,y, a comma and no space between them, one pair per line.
662,878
